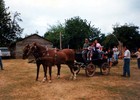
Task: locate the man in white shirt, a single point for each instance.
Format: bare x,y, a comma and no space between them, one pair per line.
126,66
1,65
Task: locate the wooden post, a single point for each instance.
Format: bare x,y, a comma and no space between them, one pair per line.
120,48
60,40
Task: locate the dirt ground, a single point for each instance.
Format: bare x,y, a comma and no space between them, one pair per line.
17,82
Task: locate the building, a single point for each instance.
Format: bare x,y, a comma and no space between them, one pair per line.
18,52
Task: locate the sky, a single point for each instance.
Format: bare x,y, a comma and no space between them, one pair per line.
39,15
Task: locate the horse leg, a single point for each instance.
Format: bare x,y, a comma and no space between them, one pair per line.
50,73
45,73
58,70
101,70
73,73
38,67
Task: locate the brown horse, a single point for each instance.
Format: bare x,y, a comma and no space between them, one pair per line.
48,58
38,62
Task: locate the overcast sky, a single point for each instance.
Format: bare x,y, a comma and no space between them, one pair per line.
37,15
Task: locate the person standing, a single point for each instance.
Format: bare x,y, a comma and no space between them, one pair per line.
109,57
115,53
126,66
138,57
1,65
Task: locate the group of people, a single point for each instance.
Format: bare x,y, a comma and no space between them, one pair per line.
112,55
88,50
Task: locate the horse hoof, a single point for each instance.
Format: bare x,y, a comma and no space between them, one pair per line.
50,81
44,80
58,76
36,79
74,78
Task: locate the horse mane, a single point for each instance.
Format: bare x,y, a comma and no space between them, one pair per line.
40,47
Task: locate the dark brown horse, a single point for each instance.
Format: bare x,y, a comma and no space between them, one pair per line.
48,58
38,61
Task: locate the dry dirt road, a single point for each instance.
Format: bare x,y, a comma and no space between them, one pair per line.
17,82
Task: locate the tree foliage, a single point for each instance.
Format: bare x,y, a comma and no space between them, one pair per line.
128,35
76,29
9,27
73,31
110,41
53,34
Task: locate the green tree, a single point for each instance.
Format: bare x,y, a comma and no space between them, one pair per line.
110,40
73,31
53,34
9,29
77,29
128,35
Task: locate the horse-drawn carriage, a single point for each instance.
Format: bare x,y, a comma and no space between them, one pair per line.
90,65
48,58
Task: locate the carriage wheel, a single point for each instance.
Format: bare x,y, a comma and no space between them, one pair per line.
105,68
114,63
90,70
76,68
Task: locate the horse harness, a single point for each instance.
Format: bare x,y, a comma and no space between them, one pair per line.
48,55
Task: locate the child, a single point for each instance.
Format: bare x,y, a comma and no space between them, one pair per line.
109,57
90,51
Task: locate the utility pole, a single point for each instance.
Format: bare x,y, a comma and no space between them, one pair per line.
60,40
